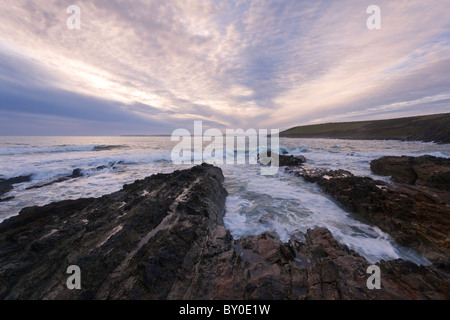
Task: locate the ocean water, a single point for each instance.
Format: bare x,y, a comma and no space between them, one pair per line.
256,203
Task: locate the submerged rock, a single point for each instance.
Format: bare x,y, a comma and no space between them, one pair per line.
163,237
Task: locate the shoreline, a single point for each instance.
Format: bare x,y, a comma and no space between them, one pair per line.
413,209
427,128
362,139
191,254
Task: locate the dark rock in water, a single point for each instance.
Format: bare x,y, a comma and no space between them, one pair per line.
6,185
19,179
163,237
427,171
291,160
6,199
312,174
285,160
49,183
76,173
416,217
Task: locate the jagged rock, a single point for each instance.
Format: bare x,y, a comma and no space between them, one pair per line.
163,237
147,229
312,174
416,217
427,171
6,185
291,160
285,160
335,272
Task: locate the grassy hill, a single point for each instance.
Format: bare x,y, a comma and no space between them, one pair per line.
421,128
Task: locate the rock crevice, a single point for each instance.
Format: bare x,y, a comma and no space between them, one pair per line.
416,216
171,243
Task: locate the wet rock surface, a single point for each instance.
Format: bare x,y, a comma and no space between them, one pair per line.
6,185
283,159
129,244
76,173
163,237
291,160
427,171
415,216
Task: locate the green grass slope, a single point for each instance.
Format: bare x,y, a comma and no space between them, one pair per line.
421,128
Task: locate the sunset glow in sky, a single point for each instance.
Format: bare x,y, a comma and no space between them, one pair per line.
149,67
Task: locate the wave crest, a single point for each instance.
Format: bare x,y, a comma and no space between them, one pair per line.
8,151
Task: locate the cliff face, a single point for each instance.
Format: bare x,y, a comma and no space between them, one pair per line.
421,128
164,238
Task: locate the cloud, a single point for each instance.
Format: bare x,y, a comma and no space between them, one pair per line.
269,64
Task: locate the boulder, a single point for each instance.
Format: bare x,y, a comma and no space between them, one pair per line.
291,160
286,160
427,171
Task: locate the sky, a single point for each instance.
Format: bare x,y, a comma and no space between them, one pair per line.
149,67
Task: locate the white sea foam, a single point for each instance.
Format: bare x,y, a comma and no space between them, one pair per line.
285,204
281,203
16,150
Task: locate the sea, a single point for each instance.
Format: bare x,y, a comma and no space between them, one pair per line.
281,203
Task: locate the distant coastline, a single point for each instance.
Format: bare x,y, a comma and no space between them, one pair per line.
145,135
429,128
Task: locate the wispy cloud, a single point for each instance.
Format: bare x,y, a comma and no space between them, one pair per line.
157,65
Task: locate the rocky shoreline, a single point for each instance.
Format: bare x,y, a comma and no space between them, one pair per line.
163,237
6,185
416,212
